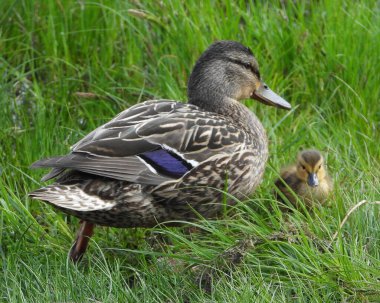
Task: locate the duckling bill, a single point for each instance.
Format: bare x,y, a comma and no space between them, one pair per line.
307,178
164,160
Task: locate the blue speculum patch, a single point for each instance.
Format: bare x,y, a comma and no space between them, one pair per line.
166,163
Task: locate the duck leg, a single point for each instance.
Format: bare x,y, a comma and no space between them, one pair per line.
86,230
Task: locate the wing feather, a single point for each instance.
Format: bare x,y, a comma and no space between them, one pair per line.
131,169
112,150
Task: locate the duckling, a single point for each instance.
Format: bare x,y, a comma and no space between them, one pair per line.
308,178
164,160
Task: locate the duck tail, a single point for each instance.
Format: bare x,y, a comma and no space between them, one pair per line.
71,198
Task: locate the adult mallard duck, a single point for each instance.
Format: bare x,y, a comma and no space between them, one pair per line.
308,179
164,160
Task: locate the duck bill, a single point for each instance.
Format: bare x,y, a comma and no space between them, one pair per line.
312,180
265,95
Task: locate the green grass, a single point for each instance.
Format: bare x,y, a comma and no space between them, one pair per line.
322,56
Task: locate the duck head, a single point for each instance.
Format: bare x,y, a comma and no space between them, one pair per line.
310,167
228,70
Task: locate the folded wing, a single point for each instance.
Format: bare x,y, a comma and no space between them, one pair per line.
149,143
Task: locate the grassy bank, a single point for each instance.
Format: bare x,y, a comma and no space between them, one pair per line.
69,66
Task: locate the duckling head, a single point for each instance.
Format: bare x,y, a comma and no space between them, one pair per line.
310,167
227,70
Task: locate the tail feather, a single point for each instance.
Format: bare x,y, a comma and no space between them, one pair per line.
71,197
55,172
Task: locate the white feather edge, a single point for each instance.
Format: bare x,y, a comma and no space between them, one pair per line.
150,167
72,197
192,162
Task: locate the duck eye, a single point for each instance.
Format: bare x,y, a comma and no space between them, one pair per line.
303,167
254,70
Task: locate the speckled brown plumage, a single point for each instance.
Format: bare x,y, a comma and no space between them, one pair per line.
163,160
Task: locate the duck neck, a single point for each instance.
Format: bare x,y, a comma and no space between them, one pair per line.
235,112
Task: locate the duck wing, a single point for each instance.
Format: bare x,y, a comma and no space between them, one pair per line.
149,143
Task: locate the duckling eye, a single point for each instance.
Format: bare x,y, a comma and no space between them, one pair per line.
320,166
248,66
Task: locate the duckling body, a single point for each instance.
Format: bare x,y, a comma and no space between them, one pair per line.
308,179
164,160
